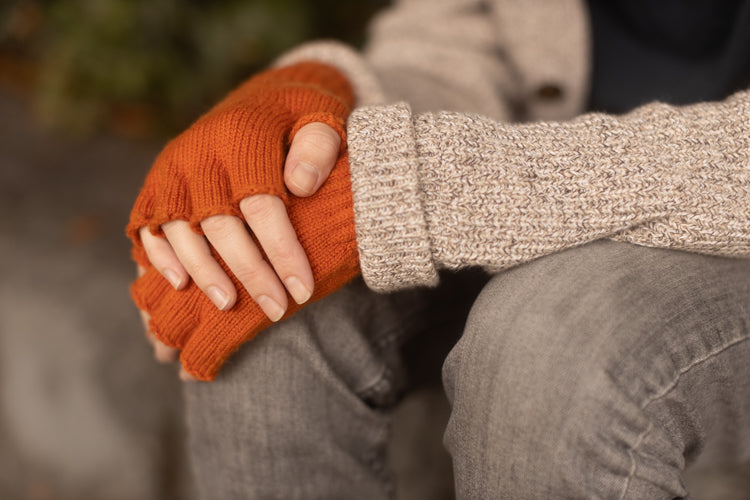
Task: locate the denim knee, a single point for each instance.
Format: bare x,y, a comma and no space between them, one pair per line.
551,381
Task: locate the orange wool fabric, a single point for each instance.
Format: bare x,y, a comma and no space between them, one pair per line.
188,320
237,150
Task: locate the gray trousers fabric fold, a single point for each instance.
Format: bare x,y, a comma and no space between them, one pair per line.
599,372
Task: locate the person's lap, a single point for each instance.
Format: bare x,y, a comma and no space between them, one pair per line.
591,372
601,372
303,411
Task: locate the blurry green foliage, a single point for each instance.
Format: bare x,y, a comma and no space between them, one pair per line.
154,65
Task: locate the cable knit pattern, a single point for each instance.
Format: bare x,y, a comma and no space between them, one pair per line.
495,195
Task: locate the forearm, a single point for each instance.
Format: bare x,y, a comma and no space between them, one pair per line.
455,190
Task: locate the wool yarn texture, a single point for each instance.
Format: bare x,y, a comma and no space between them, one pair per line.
234,151
238,148
456,190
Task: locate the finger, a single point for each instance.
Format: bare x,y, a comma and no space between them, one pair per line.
163,258
195,256
311,157
185,376
162,352
270,223
145,318
229,236
165,354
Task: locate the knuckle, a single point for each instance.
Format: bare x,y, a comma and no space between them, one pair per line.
174,225
283,256
257,207
318,141
197,267
319,129
218,224
249,275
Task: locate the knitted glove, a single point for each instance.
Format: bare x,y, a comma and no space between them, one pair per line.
188,320
238,148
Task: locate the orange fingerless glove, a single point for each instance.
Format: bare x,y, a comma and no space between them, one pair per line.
188,320
236,150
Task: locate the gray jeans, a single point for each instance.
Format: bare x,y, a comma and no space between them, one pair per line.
598,372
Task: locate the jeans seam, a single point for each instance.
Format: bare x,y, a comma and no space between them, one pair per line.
667,389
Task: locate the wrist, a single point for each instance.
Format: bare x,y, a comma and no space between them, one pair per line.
392,232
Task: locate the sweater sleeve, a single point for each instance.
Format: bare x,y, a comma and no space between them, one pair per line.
433,54
451,190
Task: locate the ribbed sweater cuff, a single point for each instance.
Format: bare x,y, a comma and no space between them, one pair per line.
392,235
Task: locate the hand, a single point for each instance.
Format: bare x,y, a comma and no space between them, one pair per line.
226,170
188,322
184,253
311,157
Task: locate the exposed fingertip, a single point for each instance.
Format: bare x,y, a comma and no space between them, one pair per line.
273,309
304,179
219,297
145,319
185,376
165,354
299,292
174,279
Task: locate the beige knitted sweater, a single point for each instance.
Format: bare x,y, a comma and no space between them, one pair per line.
466,149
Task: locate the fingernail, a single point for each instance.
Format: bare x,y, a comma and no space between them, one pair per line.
304,177
218,297
300,293
172,277
272,308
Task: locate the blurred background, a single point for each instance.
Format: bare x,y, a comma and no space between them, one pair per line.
143,68
89,91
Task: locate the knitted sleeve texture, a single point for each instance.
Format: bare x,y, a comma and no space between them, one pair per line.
434,54
452,190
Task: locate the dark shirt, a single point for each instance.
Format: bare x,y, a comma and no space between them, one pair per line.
674,51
